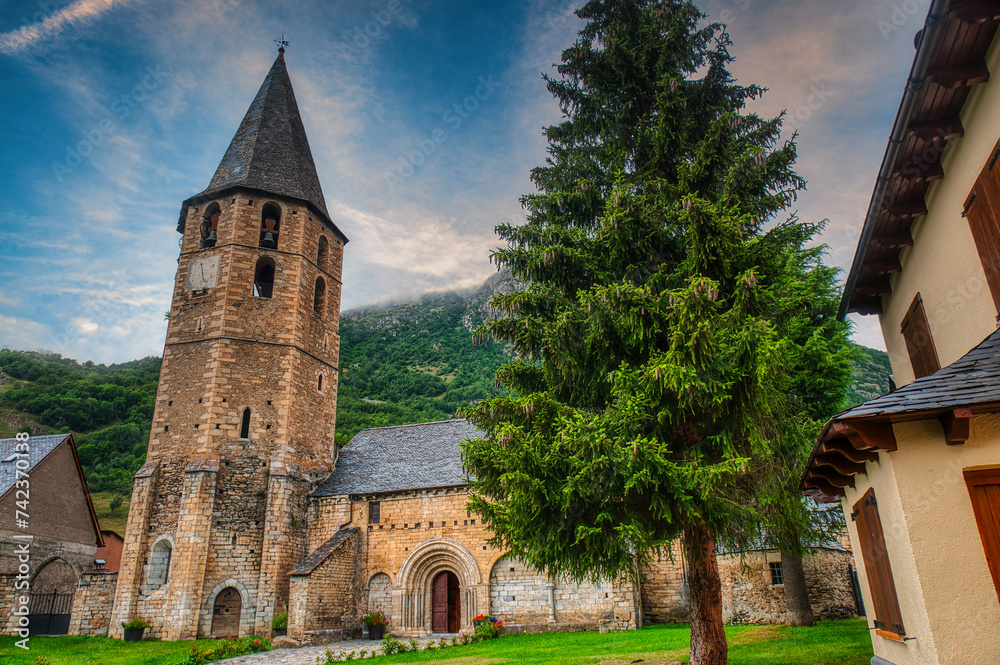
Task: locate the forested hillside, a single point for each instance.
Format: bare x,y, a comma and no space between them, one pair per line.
404,363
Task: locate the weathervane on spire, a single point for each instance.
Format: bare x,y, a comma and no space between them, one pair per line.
282,43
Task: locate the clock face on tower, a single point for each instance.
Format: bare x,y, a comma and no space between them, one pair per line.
203,273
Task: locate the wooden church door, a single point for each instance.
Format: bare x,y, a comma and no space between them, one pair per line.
226,613
445,615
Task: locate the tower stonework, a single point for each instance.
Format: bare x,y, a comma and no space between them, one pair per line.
243,425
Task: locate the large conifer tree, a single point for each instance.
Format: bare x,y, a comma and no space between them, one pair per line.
654,335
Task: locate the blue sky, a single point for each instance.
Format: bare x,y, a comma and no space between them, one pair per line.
117,110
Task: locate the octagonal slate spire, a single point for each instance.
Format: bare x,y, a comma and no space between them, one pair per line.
270,151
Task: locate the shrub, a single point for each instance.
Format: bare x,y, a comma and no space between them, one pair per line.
135,622
487,627
227,649
280,621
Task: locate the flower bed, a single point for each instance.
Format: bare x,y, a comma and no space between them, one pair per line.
227,649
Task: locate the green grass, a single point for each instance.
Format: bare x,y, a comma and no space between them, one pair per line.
97,651
843,642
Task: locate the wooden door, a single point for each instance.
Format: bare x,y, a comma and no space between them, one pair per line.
439,604
226,613
984,490
454,606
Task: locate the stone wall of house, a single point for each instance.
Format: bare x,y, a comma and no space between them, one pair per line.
749,596
666,597
330,596
379,594
92,604
627,608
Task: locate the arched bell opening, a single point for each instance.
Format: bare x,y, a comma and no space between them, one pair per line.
270,225
263,278
210,225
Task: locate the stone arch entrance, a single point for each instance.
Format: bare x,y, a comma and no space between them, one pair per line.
227,612
51,601
446,603
424,568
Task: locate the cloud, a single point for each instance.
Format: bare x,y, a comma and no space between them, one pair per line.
18,333
20,40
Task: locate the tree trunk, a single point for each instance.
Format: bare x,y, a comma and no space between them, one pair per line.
708,639
799,611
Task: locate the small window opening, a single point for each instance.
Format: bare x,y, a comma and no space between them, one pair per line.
319,297
245,425
210,225
322,251
320,382
233,540
374,512
263,278
166,428
270,225
158,571
776,575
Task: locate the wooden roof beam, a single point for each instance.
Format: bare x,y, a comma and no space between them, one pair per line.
865,306
894,240
942,129
965,74
874,290
956,426
867,436
846,450
976,11
917,171
823,486
839,464
883,266
907,209
831,476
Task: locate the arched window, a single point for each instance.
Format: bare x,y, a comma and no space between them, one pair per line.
210,225
321,252
270,225
245,424
263,278
319,298
320,386
158,570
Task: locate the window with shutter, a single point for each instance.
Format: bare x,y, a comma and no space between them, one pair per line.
877,569
984,490
919,344
982,209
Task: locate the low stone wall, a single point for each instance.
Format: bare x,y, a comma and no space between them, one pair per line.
748,595
92,604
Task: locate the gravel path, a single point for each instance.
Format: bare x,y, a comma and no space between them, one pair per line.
308,655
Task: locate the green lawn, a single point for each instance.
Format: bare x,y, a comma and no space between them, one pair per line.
97,651
843,642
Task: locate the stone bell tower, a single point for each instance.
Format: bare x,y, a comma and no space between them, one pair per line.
245,410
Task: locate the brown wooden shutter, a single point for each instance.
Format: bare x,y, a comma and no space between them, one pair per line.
883,588
984,490
919,343
982,209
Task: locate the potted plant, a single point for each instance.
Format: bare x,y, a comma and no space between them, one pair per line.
280,624
134,628
376,623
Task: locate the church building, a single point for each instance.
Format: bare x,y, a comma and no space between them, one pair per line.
243,509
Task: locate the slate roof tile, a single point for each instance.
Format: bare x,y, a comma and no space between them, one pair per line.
389,459
38,449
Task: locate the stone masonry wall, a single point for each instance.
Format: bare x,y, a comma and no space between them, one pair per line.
330,596
748,596
92,604
666,597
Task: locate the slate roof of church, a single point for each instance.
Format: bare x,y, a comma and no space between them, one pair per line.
38,449
409,457
270,151
972,380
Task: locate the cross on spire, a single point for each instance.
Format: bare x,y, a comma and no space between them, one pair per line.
282,42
